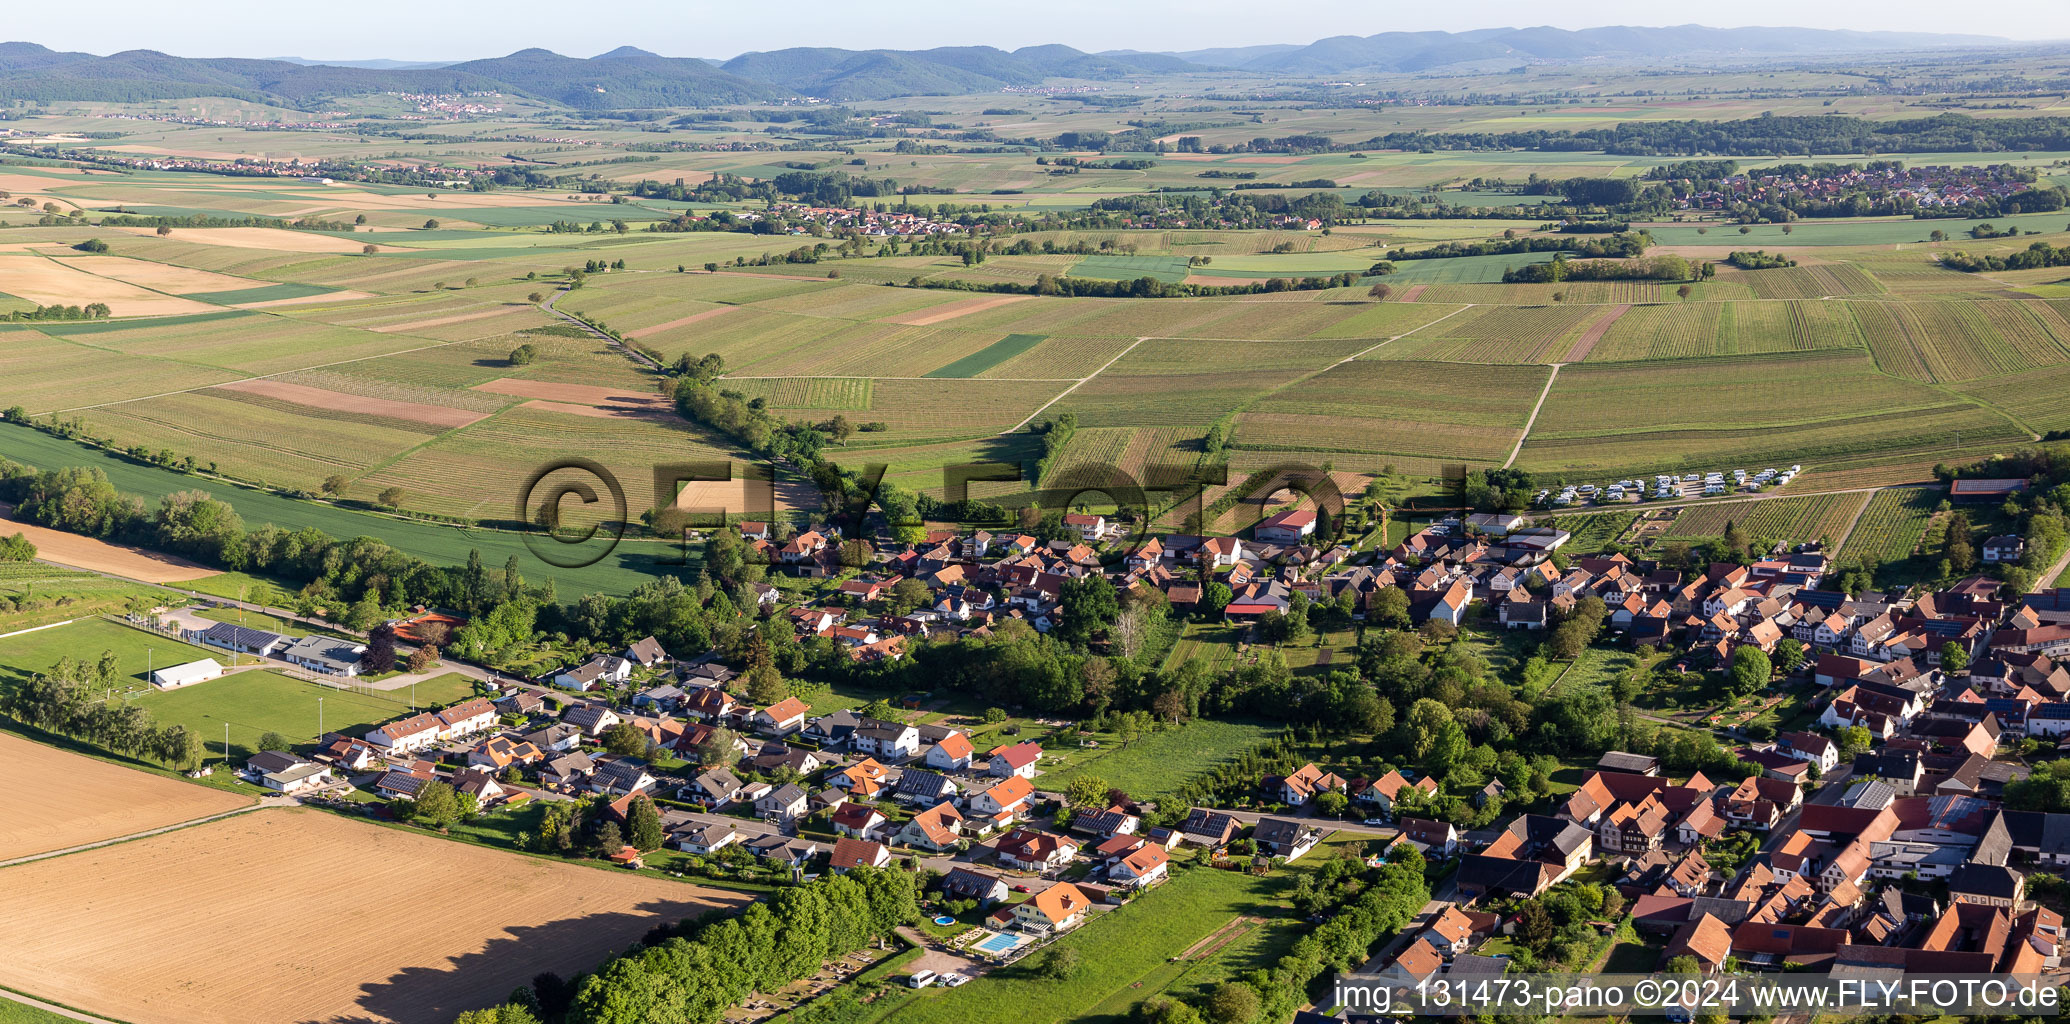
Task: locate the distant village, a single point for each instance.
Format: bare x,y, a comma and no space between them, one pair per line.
1925,187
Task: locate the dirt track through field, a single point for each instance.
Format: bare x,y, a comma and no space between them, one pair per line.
53,799
439,321
1587,342
100,556
684,322
318,398
954,310
301,915
1213,942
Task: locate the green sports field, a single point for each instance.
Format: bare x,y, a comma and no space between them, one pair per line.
256,702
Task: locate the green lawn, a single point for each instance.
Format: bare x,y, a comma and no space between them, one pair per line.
12,1012
1156,764
251,703
1126,952
136,651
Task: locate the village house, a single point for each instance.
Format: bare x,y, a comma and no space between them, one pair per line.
782,718
1010,796
500,752
1145,866
783,803
286,773
1027,849
858,820
1017,759
969,884
1059,908
951,753
1435,838
1531,854
1304,784
408,735
1383,793
592,719
646,653
850,854
1283,838
621,776
935,829
601,670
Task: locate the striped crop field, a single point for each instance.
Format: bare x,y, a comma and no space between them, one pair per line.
1698,329
1797,520
1890,528
1947,341
1652,415
1496,334
1398,407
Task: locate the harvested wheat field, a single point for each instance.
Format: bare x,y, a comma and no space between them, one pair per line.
276,239
954,310
684,322
338,401
162,277
405,927
574,394
54,800
441,321
100,556
53,283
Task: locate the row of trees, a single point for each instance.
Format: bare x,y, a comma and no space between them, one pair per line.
692,975
72,699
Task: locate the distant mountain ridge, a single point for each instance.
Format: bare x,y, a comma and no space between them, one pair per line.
1424,51
629,77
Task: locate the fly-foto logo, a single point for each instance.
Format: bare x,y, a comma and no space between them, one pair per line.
1185,499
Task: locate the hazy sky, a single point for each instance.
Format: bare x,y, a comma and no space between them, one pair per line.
417,30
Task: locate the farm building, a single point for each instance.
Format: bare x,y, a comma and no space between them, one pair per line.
324,654
1992,489
175,676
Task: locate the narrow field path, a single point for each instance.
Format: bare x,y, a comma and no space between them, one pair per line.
1535,406
1587,342
1841,544
1080,383
269,801
52,1008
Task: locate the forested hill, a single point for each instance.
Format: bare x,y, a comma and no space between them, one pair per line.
623,78
629,78
1422,51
